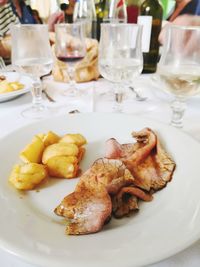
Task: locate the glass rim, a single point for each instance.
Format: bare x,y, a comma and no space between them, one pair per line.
69,24
29,25
117,24
182,27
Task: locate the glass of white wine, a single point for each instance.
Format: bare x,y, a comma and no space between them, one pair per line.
31,54
120,56
179,67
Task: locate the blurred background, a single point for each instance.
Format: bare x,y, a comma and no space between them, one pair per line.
47,7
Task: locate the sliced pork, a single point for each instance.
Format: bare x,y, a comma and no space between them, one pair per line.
89,207
126,200
86,210
113,185
148,162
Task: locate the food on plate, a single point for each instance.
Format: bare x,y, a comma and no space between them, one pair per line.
58,159
86,70
27,176
33,152
149,163
77,139
49,138
6,87
59,149
62,166
114,185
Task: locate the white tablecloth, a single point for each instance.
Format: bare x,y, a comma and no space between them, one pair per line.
97,97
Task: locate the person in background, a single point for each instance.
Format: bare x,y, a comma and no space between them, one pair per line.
70,11
182,20
36,16
187,20
22,11
15,12
7,17
190,7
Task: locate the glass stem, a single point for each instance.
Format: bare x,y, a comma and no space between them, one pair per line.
178,109
37,94
118,98
72,82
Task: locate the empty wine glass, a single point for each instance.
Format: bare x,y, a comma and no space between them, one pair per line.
120,56
179,67
115,12
31,53
70,48
84,12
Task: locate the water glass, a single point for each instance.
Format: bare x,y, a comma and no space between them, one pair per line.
31,54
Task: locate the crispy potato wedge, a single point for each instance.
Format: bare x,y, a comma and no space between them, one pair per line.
62,166
77,139
50,138
5,87
33,151
27,176
59,149
16,85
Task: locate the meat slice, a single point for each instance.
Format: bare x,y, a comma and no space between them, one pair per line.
126,200
89,207
86,210
148,162
109,174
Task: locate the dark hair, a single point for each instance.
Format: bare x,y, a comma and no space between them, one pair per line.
64,6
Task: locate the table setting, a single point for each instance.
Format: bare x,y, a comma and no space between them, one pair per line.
121,100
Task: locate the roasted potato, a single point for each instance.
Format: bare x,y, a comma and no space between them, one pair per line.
27,176
77,139
16,85
62,166
5,87
59,149
33,151
49,138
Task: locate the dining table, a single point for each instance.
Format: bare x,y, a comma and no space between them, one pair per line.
97,97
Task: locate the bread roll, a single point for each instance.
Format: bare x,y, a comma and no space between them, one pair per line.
86,70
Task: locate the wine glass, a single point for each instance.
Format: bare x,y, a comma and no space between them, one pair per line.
70,48
120,56
84,12
31,53
115,12
179,67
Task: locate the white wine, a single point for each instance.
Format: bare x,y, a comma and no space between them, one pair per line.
35,66
182,81
120,70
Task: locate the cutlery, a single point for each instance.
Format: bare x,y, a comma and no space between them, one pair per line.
48,96
74,111
137,95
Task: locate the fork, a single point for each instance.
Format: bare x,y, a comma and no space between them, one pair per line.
137,95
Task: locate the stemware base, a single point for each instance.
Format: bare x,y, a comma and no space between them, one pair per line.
36,112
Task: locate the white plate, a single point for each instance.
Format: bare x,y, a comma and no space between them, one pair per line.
13,77
163,227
